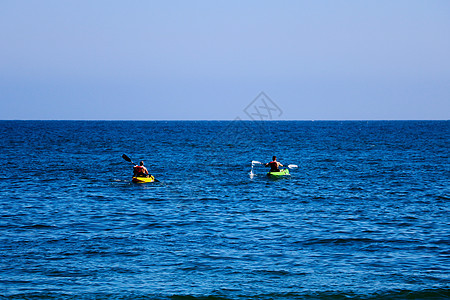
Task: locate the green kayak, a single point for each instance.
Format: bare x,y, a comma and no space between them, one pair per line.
278,174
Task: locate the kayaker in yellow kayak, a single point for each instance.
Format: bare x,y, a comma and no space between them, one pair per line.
274,165
140,171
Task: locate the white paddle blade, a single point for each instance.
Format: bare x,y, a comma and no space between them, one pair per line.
292,166
254,162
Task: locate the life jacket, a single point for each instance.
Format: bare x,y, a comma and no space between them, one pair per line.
273,166
139,170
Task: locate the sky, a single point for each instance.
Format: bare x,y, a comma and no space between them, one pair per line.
210,60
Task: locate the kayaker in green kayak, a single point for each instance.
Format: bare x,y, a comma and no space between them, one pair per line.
140,171
274,165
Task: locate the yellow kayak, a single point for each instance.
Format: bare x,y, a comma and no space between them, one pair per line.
143,179
282,172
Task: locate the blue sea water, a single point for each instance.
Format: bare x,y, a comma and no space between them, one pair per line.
364,216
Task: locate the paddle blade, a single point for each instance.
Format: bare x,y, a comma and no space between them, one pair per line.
126,158
256,162
292,166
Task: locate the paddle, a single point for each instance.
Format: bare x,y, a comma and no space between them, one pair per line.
291,166
124,156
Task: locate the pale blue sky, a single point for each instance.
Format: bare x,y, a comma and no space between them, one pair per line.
207,60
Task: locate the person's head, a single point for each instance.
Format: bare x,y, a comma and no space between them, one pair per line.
141,163
274,158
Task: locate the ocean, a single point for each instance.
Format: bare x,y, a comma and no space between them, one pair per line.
364,216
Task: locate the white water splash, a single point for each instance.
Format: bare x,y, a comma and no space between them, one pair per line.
251,172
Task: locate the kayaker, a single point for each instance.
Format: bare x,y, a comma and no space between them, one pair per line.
274,165
140,171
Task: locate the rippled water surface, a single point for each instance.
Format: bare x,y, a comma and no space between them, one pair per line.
365,215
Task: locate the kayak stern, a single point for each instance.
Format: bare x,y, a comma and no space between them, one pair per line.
278,174
143,179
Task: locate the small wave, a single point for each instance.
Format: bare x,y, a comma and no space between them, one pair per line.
339,241
279,273
208,198
443,197
441,242
38,226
